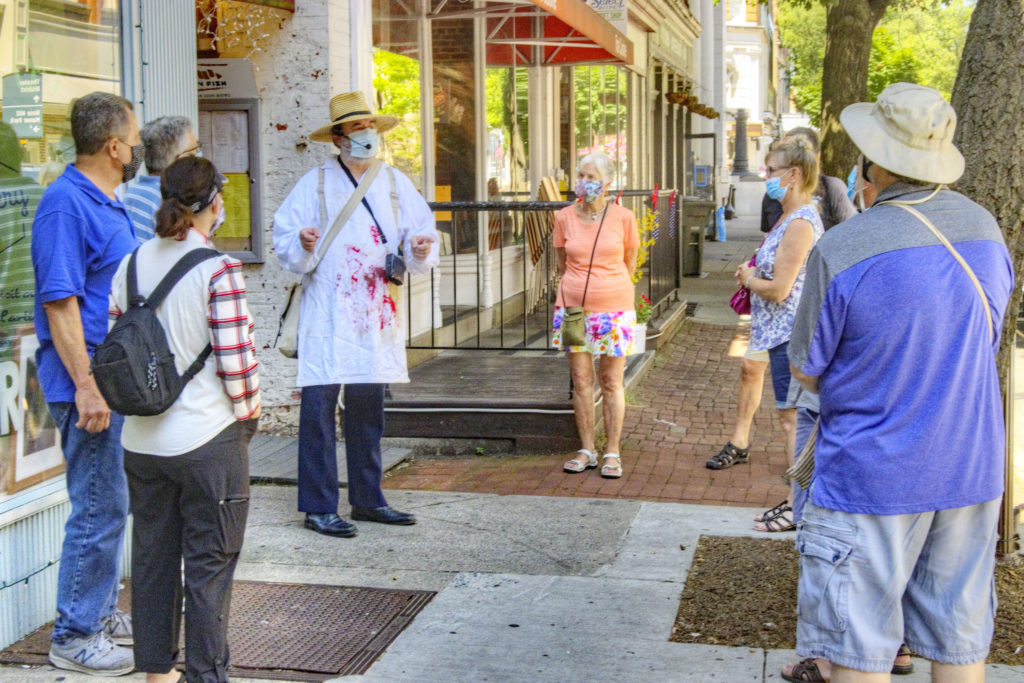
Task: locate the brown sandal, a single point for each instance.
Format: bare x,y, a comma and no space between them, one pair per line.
903,669
805,671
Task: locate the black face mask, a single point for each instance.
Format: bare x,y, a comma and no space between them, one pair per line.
129,170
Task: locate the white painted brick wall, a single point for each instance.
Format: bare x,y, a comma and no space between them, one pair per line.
293,80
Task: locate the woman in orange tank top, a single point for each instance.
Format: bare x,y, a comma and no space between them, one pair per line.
596,242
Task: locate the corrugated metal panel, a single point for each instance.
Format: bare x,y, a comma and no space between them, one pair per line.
29,558
168,56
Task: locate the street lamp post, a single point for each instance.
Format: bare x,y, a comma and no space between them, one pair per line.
741,160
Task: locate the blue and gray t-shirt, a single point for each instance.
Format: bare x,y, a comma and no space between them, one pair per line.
891,324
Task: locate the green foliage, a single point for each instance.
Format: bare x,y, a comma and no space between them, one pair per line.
917,43
802,32
396,79
597,114
891,62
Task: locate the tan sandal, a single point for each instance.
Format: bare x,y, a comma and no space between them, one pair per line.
580,464
612,471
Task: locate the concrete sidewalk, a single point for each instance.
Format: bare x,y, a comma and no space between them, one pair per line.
529,588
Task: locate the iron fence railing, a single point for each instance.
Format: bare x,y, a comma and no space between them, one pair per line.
501,297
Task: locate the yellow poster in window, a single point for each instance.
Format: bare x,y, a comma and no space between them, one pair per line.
236,206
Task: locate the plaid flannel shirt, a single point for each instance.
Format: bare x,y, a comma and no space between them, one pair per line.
231,336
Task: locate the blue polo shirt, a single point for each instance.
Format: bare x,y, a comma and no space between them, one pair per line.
79,237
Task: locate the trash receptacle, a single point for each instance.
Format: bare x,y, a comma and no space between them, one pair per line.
694,215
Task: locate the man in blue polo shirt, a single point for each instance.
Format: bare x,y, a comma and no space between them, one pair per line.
166,140
900,337
79,236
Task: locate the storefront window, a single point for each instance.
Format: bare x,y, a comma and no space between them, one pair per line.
396,83
51,53
600,97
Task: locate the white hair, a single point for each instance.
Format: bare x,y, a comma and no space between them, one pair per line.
601,162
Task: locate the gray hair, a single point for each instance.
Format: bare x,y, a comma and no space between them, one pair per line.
163,140
95,118
601,162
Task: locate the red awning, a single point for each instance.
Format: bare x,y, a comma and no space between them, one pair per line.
566,31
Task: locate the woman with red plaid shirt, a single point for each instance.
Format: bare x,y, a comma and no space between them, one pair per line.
188,468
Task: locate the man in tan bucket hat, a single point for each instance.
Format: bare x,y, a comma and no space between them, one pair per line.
350,328
897,330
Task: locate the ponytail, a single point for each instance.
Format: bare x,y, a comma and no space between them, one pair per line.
173,219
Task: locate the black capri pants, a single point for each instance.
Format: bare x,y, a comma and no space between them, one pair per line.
190,507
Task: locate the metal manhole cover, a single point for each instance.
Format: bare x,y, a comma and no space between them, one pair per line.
290,631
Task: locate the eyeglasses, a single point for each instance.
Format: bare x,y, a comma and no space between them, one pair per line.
193,151
771,170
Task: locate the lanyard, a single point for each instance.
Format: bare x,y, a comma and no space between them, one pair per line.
380,229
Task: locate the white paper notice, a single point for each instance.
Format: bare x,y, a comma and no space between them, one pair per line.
205,133
229,150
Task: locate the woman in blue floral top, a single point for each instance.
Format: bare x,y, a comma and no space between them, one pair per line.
776,279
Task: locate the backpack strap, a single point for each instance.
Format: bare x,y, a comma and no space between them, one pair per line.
184,264
133,283
180,269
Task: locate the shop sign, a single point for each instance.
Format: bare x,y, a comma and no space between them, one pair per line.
23,104
615,12
223,79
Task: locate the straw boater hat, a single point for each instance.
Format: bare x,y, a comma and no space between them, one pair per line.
908,131
347,107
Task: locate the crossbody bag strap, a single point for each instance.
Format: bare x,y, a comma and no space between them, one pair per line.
960,259
366,203
592,252
322,198
350,207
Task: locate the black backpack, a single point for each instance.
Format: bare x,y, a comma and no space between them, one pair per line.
134,367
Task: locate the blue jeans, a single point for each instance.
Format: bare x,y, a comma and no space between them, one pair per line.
805,419
778,359
363,429
90,558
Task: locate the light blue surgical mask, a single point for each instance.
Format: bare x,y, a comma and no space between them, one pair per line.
588,190
364,143
774,189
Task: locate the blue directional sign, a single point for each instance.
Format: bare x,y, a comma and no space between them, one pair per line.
23,104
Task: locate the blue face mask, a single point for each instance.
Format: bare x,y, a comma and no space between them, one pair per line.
588,190
774,189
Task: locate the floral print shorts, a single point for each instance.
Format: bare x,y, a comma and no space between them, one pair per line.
607,334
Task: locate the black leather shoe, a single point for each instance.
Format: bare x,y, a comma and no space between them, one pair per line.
384,515
329,524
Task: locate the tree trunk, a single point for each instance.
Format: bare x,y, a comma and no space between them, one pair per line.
849,25
989,100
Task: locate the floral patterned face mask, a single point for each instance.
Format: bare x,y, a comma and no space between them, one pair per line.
588,190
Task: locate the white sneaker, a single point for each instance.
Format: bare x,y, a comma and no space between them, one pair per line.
96,654
119,627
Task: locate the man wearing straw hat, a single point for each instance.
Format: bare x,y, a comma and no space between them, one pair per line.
898,330
350,328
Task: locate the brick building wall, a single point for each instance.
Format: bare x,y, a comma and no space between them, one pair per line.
301,65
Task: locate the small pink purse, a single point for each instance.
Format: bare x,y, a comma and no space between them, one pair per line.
740,301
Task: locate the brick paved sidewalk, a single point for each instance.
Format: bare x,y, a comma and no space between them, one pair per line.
679,415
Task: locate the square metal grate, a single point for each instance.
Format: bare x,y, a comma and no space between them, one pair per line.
284,631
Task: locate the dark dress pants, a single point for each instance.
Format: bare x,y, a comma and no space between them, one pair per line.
193,507
363,429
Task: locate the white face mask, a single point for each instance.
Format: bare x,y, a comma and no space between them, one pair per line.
221,217
363,143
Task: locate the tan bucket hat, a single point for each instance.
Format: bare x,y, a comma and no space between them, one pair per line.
351,106
908,131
